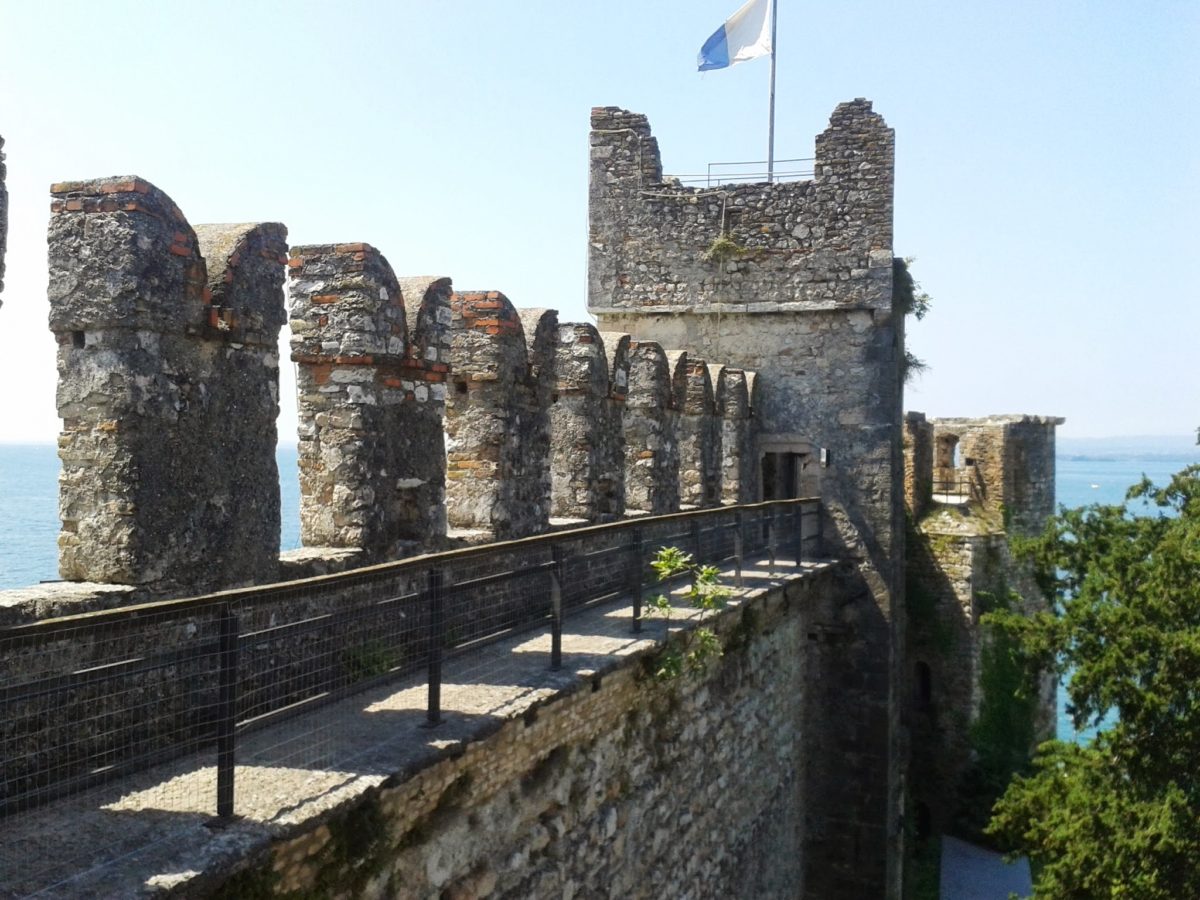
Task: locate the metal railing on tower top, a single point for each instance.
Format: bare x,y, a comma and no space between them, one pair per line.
747,172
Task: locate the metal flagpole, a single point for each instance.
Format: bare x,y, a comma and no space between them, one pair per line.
771,113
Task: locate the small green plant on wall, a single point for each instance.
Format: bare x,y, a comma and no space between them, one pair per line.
723,249
705,592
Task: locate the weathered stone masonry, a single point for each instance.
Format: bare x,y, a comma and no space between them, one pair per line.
738,455
486,434
369,395
970,484
168,390
697,432
582,428
801,293
651,450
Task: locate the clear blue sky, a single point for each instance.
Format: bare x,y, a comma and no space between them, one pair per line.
1048,159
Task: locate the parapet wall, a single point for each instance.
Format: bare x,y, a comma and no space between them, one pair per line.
420,409
1007,462
168,389
819,244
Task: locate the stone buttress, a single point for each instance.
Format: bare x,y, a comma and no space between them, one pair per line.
793,280
168,390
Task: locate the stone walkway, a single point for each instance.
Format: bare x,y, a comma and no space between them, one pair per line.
153,831
973,873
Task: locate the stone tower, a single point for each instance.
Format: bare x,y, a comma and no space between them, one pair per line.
794,282
970,485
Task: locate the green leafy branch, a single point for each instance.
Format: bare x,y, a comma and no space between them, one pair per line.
705,593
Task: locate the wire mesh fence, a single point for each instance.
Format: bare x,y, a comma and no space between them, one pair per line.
222,693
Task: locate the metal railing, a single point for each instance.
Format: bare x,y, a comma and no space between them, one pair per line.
965,486
89,698
749,172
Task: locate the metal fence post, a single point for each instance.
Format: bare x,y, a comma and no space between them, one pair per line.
798,532
556,610
635,571
810,524
771,541
437,640
227,655
738,549
696,540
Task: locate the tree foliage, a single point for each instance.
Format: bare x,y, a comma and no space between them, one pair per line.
1119,817
910,299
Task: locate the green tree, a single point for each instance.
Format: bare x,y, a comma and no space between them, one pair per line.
910,299
1119,817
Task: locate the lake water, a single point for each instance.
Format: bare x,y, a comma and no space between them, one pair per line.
1088,472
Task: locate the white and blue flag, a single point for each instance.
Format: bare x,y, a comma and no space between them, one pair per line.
746,35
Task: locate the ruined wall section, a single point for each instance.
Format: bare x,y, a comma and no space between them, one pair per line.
958,562
651,452
360,390
1010,460
168,387
951,564
580,424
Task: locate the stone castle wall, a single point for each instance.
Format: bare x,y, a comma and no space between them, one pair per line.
733,322
794,282
621,787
